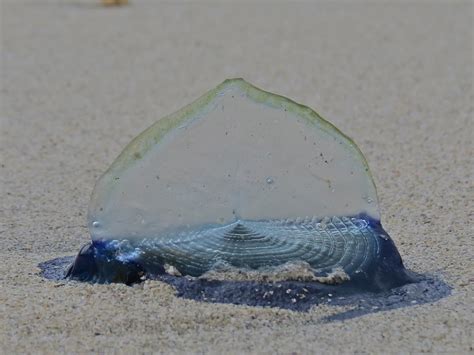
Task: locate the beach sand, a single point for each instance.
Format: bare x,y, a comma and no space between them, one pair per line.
79,81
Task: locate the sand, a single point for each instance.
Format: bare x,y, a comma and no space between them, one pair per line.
79,81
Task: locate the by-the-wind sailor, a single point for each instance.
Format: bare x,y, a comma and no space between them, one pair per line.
240,179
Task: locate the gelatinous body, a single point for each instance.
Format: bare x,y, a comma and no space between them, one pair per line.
230,180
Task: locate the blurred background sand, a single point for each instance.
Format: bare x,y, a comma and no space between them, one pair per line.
80,80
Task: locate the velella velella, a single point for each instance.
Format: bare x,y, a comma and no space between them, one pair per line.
240,182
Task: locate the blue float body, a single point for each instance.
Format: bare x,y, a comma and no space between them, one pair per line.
127,262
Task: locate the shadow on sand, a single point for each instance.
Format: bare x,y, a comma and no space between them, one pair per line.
291,295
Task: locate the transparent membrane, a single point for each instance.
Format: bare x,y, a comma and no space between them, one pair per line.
237,153
241,180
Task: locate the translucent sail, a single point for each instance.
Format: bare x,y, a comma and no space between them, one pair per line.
240,180
237,153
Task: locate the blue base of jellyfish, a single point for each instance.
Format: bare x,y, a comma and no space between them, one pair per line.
358,246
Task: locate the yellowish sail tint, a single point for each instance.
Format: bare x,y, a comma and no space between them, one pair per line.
236,153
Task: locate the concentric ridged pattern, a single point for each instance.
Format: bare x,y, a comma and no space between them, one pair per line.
327,244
